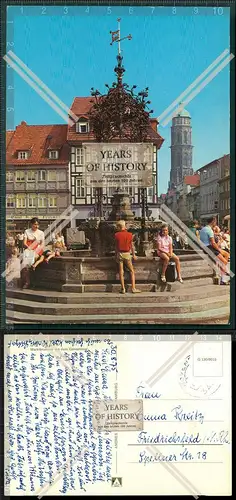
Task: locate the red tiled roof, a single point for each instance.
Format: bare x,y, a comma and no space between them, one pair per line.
35,139
9,135
81,107
192,180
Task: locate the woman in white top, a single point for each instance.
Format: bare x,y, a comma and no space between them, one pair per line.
33,247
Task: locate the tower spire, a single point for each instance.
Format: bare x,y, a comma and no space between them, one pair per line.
116,37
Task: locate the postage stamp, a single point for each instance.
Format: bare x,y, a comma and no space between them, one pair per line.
208,359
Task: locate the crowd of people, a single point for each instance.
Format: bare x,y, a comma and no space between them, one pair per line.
30,246
214,238
217,241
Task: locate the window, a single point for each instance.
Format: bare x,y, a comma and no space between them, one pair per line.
178,137
20,176
9,176
53,155
82,127
185,137
31,200
23,155
20,201
80,189
79,156
42,202
52,201
186,159
10,201
52,175
42,175
226,172
31,176
110,191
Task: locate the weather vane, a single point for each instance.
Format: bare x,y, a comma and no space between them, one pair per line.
116,36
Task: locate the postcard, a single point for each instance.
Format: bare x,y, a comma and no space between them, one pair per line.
117,165
103,416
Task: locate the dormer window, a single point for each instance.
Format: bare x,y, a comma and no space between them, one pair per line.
53,155
82,126
23,155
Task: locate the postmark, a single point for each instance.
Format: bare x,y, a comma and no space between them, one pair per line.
118,415
199,386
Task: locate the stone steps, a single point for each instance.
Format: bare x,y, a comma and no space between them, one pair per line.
145,287
212,316
90,297
157,308
147,308
68,292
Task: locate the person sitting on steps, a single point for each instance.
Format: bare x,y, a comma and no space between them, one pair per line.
165,252
124,247
207,238
45,257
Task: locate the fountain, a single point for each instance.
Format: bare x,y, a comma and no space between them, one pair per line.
120,116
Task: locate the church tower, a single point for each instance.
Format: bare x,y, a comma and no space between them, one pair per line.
181,148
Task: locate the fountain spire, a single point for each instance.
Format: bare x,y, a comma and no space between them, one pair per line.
116,37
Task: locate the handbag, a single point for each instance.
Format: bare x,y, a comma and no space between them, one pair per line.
171,272
28,257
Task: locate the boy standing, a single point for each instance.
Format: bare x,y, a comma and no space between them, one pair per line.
124,247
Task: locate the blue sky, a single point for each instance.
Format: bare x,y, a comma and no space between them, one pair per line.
72,53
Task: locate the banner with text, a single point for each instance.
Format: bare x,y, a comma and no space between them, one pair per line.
121,165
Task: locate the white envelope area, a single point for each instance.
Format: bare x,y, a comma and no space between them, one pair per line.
95,416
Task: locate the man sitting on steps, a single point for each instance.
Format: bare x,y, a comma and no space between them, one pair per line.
207,238
125,245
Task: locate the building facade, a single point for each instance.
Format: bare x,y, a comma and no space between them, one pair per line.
171,200
37,181
178,199
181,148
45,172
209,190
193,203
84,198
184,192
224,188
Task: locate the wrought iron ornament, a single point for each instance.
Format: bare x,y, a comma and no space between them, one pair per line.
120,114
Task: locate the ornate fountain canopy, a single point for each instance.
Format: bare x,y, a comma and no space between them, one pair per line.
121,113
